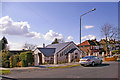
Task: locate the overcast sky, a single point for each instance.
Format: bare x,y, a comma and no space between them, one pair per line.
38,22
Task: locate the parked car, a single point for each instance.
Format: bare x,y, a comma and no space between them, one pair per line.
90,60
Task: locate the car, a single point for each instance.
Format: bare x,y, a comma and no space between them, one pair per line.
90,60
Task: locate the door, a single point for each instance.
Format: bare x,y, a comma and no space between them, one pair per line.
36,59
40,58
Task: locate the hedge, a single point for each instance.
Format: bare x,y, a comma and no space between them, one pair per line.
116,51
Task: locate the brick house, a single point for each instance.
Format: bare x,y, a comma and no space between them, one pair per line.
90,47
112,44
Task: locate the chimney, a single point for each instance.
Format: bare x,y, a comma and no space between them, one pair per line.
43,45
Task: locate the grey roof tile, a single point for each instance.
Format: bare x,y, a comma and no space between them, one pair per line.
58,46
47,51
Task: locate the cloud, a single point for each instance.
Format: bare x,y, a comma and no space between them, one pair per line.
51,35
8,26
89,37
15,46
87,27
69,37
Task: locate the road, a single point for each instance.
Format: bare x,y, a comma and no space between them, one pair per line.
106,70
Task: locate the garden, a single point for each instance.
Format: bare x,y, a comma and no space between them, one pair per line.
23,59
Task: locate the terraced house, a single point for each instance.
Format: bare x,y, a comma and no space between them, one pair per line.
57,53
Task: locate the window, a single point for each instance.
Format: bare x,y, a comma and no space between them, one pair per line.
51,58
91,47
76,53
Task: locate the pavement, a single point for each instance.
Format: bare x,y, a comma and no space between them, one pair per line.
40,66
106,70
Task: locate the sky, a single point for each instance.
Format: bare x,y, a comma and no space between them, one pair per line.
42,22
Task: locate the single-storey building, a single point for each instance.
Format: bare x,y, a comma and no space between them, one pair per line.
57,53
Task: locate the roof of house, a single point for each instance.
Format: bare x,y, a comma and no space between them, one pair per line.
102,41
18,51
51,49
85,49
58,46
96,42
47,51
72,50
89,42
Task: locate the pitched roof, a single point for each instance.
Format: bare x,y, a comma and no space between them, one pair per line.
72,50
84,43
89,42
102,41
96,42
47,51
58,46
18,51
85,49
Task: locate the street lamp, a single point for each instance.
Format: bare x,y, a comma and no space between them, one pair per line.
80,24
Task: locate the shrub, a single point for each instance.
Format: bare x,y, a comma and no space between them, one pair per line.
116,51
19,64
24,64
30,58
14,60
5,59
26,58
11,60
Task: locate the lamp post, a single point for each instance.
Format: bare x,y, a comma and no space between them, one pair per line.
80,24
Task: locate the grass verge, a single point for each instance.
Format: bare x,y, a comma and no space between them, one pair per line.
4,72
68,66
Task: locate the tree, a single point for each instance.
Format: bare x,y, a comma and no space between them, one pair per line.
30,47
109,32
55,41
4,43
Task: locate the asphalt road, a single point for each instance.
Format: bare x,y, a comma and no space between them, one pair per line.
106,70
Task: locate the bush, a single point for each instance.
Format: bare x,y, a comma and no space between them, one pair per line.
5,59
23,63
14,60
20,64
11,62
30,58
26,58
116,51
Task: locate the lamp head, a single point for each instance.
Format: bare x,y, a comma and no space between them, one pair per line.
93,9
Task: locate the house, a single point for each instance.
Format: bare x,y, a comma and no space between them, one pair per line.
117,45
102,43
90,47
56,53
112,44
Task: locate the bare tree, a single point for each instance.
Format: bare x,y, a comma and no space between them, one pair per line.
109,32
30,47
